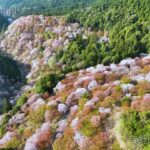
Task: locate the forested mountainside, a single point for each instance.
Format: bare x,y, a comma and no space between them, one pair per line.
86,109
127,23
45,7
30,4
87,81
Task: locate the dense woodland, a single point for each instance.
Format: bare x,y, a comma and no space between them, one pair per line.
48,7
127,22
121,29
88,105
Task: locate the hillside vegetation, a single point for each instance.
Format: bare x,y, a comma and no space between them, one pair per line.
45,7
127,23
83,90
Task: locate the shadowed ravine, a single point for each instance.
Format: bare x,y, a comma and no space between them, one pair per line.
12,78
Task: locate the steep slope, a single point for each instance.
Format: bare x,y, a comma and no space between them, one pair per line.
9,72
40,41
127,23
33,40
71,101
90,109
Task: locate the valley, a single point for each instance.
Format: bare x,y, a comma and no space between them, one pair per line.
11,79
75,75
